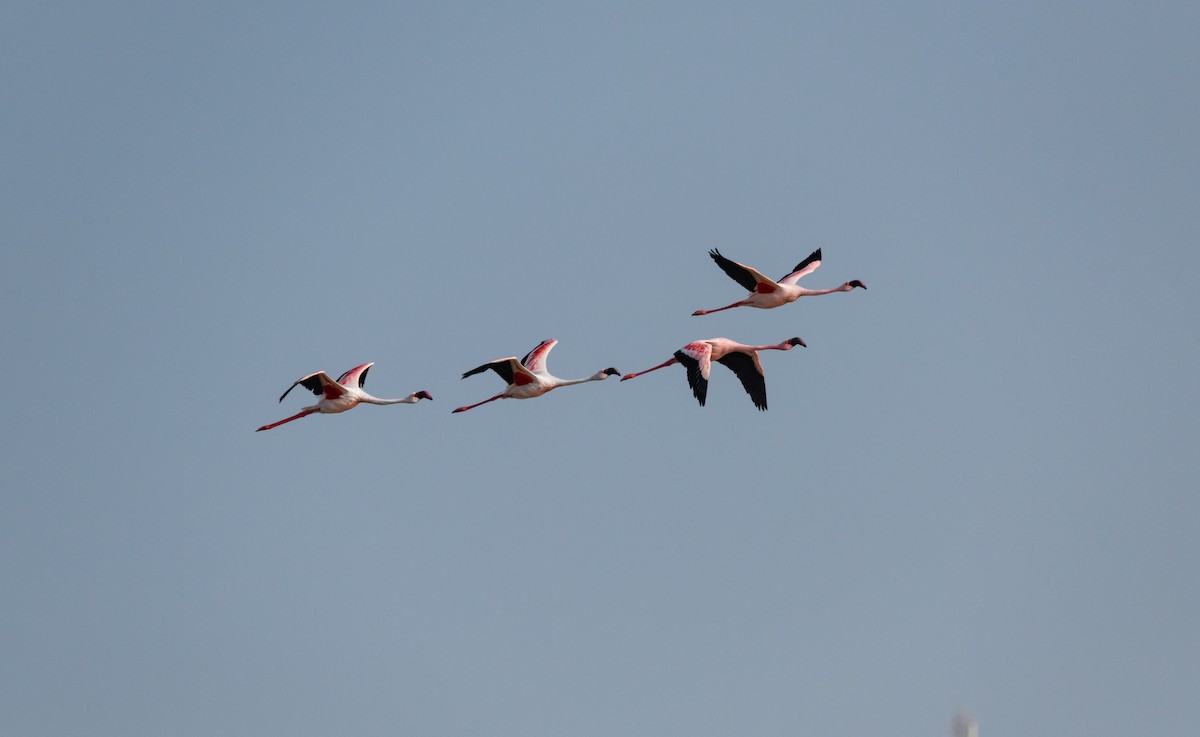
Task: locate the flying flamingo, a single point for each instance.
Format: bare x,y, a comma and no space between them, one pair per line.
341,395
741,359
528,377
765,293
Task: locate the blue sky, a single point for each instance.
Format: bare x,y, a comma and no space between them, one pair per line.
974,490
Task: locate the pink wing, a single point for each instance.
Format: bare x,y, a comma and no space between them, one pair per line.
804,268
356,376
696,358
535,360
701,353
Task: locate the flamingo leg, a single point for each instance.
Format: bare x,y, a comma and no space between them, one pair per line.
473,406
726,307
305,413
639,373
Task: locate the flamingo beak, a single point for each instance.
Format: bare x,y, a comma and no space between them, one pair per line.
612,372
424,395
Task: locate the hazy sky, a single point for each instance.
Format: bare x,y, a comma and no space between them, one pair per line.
974,490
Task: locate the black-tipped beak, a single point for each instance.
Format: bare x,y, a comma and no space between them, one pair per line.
797,341
857,283
612,372
425,395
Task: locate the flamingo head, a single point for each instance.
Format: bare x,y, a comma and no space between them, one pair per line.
855,283
610,371
793,342
423,395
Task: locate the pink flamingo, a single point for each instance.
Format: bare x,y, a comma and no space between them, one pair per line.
697,358
765,293
341,395
528,377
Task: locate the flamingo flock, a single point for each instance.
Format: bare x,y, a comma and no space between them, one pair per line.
528,377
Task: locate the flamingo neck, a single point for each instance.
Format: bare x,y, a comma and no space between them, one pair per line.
411,399
784,346
814,292
598,376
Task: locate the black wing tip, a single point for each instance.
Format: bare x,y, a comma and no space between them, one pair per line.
501,367
698,383
759,399
738,272
742,366
311,383
814,256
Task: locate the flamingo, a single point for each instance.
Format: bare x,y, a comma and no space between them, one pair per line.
528,377
765,293
341,395
741,359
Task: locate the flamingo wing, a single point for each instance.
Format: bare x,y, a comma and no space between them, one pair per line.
535,360
804,268
749,371
751,279
356,376
319,383
509,369
695,357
